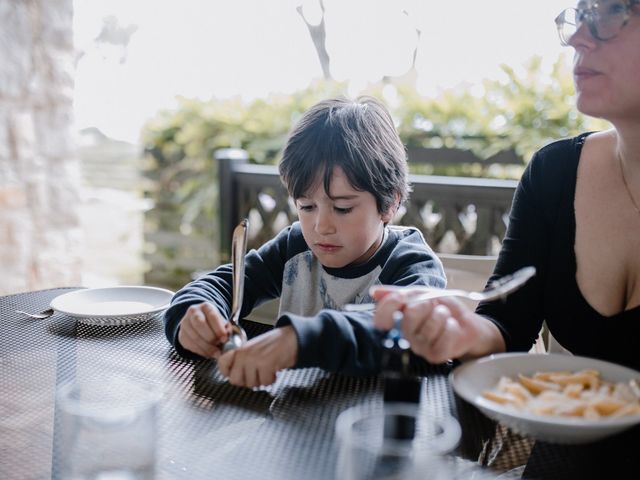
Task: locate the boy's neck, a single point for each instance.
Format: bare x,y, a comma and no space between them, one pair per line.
380,243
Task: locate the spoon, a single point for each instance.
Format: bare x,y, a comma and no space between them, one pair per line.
500,288
238,248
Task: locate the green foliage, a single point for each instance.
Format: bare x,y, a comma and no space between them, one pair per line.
180,143
523,111
181,171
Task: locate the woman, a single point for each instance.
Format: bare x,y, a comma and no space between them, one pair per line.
575,217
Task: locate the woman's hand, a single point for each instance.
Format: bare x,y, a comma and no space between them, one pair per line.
203,330
438,329
257,361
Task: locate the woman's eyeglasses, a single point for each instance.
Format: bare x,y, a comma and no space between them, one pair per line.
604,19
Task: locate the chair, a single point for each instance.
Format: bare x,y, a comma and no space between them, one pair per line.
467,272
267,313
553,346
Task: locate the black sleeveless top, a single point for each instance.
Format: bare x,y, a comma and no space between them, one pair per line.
541,232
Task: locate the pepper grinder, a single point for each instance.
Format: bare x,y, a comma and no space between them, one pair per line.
399,384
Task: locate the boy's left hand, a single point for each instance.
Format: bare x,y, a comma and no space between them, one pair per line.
258,360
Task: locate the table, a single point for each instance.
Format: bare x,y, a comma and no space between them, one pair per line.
208,428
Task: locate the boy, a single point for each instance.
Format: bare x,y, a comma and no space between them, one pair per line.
345,167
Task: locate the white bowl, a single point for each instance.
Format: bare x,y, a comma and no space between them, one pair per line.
470,379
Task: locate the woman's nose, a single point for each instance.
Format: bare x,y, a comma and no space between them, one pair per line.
582,39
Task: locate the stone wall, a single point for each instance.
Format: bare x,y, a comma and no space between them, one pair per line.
40,236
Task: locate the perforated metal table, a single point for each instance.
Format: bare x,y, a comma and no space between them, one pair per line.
208,428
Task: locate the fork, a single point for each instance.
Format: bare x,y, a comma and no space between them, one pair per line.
499,288
44,314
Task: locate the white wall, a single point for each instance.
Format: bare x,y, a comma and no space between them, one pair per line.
40,237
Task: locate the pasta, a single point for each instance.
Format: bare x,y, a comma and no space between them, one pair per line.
581,394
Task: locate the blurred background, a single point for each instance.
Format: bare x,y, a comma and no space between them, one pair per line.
111,111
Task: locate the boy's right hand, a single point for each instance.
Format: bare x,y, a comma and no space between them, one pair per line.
203,330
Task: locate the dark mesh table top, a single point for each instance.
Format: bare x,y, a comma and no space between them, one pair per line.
208,428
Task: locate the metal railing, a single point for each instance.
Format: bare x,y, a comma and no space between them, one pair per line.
456,214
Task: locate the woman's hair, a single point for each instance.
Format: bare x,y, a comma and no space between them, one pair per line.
357,136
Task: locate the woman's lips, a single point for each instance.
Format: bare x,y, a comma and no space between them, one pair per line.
582,75
581,72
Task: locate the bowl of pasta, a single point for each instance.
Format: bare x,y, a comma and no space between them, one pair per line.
552,397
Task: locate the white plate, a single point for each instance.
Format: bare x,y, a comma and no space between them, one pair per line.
113,305
471,379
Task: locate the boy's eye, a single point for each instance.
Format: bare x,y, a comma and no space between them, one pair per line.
305,208
343,210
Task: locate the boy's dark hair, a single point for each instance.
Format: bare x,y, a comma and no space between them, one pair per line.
357,136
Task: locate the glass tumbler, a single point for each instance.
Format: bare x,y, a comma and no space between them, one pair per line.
394,441
107,429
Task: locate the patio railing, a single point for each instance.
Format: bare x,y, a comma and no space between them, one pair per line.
456,214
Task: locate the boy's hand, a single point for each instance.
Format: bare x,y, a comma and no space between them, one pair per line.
258,361
203,330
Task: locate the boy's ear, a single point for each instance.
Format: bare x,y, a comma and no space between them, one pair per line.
391,211
388,215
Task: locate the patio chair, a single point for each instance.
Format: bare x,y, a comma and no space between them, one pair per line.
467,272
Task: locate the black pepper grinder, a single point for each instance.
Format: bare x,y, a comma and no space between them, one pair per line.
399,383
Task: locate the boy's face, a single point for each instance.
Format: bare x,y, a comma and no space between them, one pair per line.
343,228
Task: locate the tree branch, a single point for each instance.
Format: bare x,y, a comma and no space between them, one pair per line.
319,36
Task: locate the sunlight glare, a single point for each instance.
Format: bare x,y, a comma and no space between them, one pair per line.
251,48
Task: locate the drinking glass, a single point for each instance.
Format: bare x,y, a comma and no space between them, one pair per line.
108,429
395,441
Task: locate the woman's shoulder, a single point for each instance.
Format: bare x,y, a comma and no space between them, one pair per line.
557,159
563,149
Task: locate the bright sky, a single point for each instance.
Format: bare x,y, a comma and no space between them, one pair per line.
222,48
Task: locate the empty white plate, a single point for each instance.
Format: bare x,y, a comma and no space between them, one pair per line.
113,305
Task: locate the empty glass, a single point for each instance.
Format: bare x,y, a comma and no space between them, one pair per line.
395,441
108,429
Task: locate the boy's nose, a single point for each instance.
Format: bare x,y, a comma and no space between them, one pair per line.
324,224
